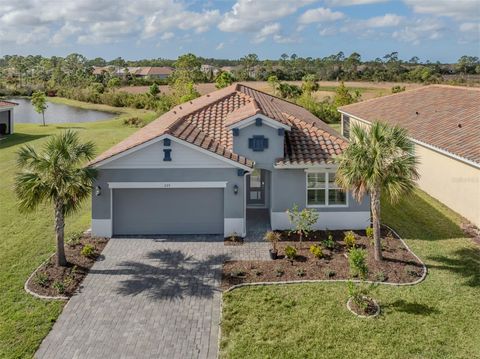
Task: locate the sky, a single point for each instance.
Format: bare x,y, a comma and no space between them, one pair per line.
435,30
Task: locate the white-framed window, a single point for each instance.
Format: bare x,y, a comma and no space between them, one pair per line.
323,192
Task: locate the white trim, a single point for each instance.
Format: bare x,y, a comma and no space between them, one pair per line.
327,189
102,227
331,220
266,120
424,144
116,185
234,225
172,138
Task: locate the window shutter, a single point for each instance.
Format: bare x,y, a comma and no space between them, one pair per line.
265,143
250,143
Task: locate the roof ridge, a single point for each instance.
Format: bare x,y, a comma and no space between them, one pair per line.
314,126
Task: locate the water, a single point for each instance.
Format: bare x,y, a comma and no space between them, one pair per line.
55,113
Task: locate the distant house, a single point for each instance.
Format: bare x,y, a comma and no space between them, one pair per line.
6,117
207,69
158,72
444,123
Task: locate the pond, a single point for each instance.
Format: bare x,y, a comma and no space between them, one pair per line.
55,113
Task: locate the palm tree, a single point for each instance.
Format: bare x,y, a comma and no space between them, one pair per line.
55,176
379,158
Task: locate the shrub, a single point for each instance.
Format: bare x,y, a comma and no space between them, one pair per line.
290,252
257,272
380,277
74,238
88,251
279,271
238,273
316,250
41,279
369,232
300,272
133,122
272,237
329,242
59,286
360,293
350,239
302,220
330,273
358,263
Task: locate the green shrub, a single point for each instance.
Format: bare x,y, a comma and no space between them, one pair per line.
360,293
59,286
329,243
272,237
316,250
301,272
238,273
41,279
88,251
357,260
279,271
133,122
330,273
290,252
350,239
369,232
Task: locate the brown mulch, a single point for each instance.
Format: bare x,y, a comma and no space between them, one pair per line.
51,280
233,241
398,266
370,309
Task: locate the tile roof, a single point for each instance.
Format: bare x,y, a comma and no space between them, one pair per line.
204,123
4,103
446,117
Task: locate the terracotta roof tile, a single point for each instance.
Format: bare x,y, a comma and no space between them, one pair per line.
446,117
4,103
204,122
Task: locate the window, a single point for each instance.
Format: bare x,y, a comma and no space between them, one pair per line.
322,190
258,143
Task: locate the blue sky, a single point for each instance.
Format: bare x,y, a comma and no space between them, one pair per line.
433,30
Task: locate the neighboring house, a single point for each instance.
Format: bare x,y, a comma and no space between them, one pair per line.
209,69
6,117
444,123
202,166
158,72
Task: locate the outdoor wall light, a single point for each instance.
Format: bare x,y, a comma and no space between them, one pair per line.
235,189
98,191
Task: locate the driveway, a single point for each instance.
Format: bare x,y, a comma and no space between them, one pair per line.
148,298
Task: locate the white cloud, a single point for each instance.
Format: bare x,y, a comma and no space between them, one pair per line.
320,15
266,31
470,27
458,9
328,31
167,36
251,16
352,2
387,20
220,46
64,33
420,29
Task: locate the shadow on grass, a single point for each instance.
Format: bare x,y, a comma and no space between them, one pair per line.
466,263
422,217
411,308
168,274
18,138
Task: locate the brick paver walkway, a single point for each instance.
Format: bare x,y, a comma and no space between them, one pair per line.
148,298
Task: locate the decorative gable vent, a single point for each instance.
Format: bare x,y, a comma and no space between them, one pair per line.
167,155
258,143
258,121
166,142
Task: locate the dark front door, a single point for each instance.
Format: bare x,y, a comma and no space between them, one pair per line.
256,188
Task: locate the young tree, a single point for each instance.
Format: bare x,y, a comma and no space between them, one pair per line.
39,102
379,158
302,220
55,176
224,79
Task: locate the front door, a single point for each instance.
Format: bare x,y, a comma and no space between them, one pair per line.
256,188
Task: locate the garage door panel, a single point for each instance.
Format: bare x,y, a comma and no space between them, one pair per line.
168,211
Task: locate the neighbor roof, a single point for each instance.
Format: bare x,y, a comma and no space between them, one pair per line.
445,117
7,103
204,123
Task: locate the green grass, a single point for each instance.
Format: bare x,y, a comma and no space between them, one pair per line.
439,318
27,240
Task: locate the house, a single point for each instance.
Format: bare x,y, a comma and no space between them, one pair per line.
444,123
6,117
204,166
209,69
154,72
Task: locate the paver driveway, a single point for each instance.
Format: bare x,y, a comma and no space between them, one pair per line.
148,298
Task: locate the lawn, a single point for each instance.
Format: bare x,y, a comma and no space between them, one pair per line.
27,240
439,318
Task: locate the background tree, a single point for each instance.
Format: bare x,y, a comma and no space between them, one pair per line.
224,79
39,102
153,90
55,176
378,158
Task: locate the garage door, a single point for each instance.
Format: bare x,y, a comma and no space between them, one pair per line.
167,211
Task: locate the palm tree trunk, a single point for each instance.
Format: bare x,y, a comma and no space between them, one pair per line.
375,205
59,234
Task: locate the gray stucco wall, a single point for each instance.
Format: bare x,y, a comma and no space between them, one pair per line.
266,158
289,187
233,204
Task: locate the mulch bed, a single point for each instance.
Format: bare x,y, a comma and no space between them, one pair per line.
50,280
233,241
369,310
398,266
